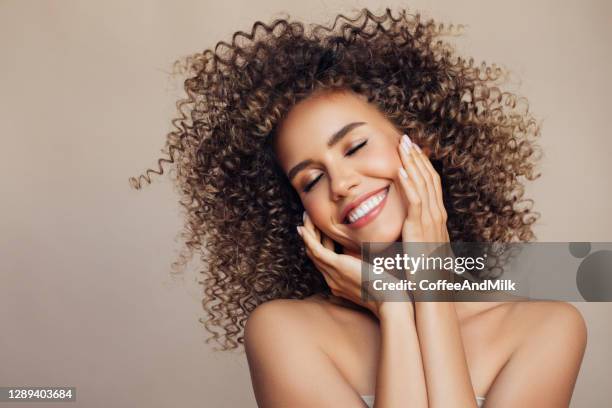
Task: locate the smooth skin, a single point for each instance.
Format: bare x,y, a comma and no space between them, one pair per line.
326,353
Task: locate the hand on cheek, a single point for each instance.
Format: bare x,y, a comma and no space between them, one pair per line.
341,272
421,190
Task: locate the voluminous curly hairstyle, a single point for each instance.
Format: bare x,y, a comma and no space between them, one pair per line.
241,210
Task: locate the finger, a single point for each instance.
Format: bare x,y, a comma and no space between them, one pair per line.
408,191
438,211
407,154
431,207
437,184
310,226
325,270
321,266
329,273
328,243
407,186
317,250
318,255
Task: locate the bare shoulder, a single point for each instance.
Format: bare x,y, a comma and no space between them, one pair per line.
295,320
544,364
526,326
554,332
288,364
547,318
278,316
302,311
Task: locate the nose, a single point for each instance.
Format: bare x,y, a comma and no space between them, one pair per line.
342,180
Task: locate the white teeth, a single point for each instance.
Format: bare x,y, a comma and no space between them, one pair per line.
366,207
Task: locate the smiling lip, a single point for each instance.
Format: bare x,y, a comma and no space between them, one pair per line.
361,199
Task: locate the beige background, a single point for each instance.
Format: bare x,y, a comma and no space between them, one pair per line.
85,101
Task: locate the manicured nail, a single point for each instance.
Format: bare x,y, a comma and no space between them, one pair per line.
406,143
299,230
403,173
406,147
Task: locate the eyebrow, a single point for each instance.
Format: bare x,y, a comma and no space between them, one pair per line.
335,138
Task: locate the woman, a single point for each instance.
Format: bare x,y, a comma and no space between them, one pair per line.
284,127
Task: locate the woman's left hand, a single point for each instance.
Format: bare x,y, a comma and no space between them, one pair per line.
421,186
425,223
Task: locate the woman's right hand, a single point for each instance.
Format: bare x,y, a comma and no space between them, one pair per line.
341,272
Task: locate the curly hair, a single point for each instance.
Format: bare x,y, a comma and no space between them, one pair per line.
240,208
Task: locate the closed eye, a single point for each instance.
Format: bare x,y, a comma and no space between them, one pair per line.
354,149
310,185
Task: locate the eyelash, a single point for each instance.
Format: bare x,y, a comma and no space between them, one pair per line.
310,185
354,149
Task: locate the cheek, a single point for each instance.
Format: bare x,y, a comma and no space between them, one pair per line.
319,212
382,161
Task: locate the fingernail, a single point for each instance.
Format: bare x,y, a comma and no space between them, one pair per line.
299,230
403,172
406,142
418,149
304,216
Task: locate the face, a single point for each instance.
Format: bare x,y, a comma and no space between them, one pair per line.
340,154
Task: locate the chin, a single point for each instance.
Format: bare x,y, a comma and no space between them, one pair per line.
383,242
385,229
389,233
